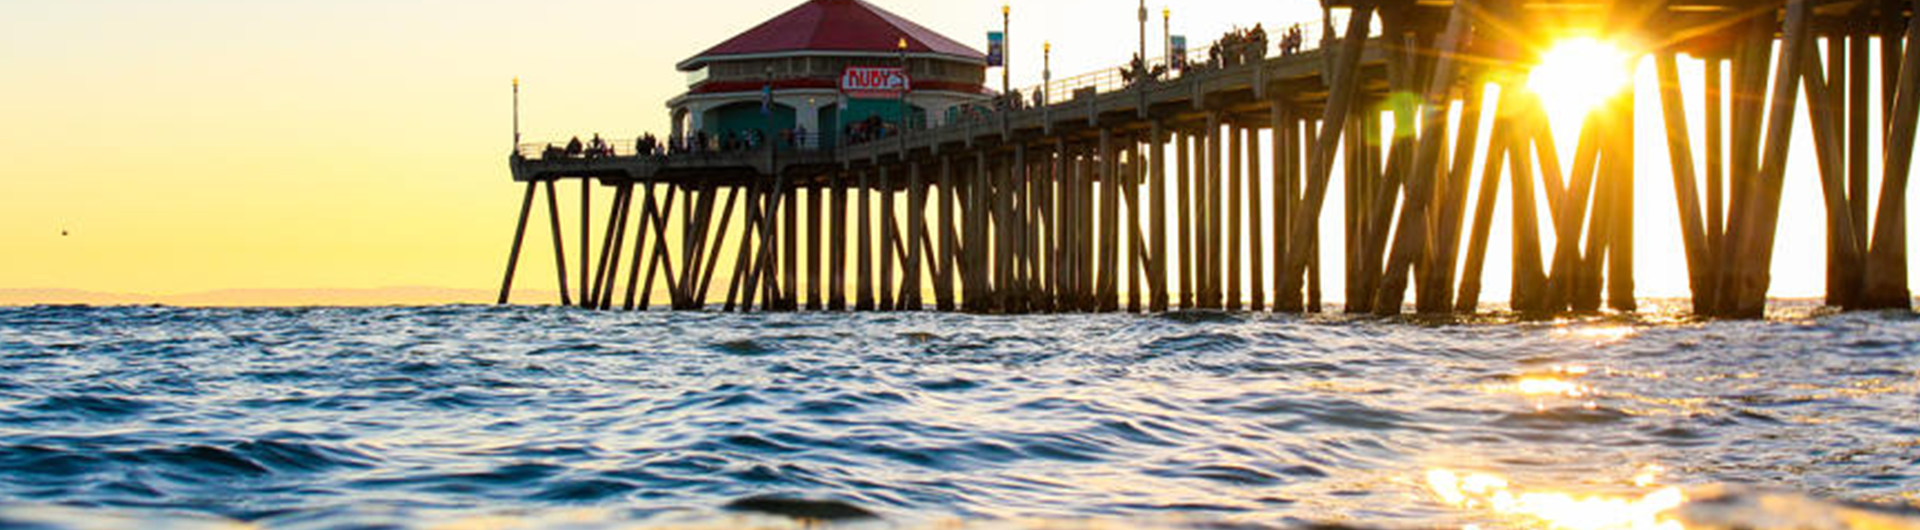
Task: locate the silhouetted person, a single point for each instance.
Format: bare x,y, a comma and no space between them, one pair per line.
573,147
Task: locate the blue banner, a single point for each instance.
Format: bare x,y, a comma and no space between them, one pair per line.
996,49
1178,61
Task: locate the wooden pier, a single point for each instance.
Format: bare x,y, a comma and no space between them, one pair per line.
1067,206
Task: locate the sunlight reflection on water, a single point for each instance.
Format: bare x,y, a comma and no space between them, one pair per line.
545,417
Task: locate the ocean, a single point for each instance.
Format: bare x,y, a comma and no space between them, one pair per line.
543,417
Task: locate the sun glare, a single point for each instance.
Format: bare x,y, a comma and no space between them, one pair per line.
1578,74
1560,510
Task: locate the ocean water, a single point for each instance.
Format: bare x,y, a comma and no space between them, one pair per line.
531,417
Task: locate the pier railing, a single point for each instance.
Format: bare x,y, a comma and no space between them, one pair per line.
1197,60
809,143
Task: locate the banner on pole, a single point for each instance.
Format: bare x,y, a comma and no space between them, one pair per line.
1179,59
996,49
874,82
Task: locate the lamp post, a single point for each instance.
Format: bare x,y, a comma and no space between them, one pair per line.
1143,33
1166,36
1046,73
516,115
766,120
1006,51
906,84
766,106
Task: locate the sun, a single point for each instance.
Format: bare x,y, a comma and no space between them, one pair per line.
1578,74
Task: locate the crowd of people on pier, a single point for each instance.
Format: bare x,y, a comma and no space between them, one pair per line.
1238,47
870,129
703,143
595,148
1138,72
1292,41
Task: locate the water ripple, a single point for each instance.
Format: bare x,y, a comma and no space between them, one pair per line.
398,417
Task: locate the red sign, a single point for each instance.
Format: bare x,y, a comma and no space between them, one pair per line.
874,82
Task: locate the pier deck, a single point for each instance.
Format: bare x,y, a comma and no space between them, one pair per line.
1050,208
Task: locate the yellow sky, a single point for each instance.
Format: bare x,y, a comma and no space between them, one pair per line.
222,144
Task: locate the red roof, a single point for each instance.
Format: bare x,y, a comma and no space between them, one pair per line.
835,26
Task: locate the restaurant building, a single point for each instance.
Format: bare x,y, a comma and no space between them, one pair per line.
824,65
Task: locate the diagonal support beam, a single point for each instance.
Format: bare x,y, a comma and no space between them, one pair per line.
1320,167
1886,282
1410,239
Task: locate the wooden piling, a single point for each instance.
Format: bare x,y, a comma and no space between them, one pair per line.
656,216
1345,61
837,243
1499,143
943,260
586,231
1858,125
814,217
863,244
1529,282
1829,139
1753,242
916,225
790,282
1749,65
694,230
1088,288
1436,295
977,290
1886,276
743,261
1214,221
887,236
1285,140
1256,244
1619,165
1108,297
711,262
1424,164
1007,233
640,252
1715,222
1183,184
592,298
1236,214
1033,198
1156,212
1130,191
1680,154
519,236
1055,185
559,243
1314,275
623,202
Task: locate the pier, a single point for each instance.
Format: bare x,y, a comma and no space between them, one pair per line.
1070,204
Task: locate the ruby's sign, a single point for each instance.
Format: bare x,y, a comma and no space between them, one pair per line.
874,82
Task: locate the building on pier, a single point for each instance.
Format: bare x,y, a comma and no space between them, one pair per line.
794,64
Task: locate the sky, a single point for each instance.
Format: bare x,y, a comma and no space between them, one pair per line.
208,145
